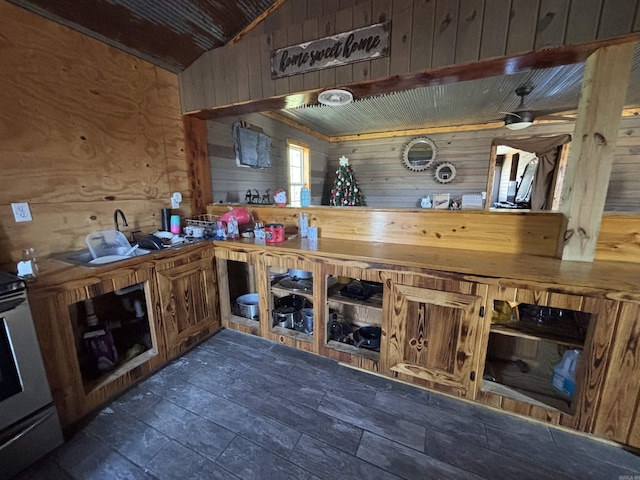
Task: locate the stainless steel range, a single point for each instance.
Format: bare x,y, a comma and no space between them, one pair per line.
29,425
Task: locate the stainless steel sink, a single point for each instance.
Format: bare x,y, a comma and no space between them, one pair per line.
84,258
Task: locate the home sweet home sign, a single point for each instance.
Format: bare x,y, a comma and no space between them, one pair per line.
349,47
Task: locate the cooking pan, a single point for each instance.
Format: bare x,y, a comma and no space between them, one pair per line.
287,311
368,337
151,242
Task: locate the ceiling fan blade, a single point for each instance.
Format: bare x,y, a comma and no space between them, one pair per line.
511,113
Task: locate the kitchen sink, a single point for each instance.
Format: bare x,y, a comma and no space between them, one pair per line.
84,258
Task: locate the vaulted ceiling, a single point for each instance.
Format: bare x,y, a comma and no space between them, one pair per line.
167,33
173,33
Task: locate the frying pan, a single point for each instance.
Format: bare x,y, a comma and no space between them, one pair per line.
368,337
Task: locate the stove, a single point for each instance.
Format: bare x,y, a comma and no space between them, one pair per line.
10,283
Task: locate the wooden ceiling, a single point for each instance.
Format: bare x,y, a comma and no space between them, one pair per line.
167,33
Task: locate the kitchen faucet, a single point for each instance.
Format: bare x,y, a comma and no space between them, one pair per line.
115,219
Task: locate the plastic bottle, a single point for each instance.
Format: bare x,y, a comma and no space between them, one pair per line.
305,196
303,224
563,374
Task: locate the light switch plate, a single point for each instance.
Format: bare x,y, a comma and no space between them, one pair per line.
21,212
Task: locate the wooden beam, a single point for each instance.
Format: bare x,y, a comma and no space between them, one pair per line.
195,134
604,88
274,6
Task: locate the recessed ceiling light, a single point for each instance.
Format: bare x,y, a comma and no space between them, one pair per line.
335,97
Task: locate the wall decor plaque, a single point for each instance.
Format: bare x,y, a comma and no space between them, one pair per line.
341,49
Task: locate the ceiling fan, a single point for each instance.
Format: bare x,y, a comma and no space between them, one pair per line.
522,117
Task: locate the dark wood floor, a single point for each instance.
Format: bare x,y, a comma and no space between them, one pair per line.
242,407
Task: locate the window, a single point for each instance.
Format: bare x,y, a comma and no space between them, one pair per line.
298,170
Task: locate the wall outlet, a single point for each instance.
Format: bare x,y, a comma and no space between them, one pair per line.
21,212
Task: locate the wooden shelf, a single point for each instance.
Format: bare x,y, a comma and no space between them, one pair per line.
287,332
249,322
283,292
360,352
530,387
503,330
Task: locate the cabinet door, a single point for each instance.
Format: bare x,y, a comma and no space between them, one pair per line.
189,304
433,333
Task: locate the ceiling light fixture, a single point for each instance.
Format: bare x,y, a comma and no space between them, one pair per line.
335,97
518,121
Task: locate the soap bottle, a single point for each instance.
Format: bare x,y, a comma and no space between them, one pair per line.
305,196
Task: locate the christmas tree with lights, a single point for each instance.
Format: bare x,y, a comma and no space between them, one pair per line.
346,191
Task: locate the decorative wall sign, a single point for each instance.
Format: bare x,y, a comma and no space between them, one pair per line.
341,49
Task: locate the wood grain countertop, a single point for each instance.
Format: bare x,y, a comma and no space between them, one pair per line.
615,280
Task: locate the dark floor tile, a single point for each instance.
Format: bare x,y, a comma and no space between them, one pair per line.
235,351
243,339
406,462
129,436
459,406
178,462
252,462
331,430
431,417
187,395
231,388
613,454
384,384
305,358
264,431
482,461
137,401
376,421
279,385
206,358
332,383
45,469
573,464
333,463
191,430
103,463
518,425
75,450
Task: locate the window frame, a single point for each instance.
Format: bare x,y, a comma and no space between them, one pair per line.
306,170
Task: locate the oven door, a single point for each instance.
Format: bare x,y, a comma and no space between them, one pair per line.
23,382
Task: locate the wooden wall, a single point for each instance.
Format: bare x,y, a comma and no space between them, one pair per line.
387,183
84,129
230,182
425,34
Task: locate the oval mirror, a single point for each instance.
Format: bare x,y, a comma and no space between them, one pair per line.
419,154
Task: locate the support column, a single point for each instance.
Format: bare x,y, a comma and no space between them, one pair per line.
604,88
197,152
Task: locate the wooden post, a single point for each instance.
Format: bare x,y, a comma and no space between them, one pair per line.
195,134
604,89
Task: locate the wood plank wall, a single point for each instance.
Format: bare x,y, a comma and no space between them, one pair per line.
382,175
425,34
230,182
387,183
84,129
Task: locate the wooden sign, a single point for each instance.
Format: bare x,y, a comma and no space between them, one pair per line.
341,49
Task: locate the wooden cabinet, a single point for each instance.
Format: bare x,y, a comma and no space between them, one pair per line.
61,322
433,333
187,302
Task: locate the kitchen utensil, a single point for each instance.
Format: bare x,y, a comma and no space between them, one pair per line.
360,290
248,305
296,284
131,250
287,310
301,274
368,337
338,330
307,317
151,242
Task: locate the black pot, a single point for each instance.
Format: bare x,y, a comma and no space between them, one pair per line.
368,337
287,311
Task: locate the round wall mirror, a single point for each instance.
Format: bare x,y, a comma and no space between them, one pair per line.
419,154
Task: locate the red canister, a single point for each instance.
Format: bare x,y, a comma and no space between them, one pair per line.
274,232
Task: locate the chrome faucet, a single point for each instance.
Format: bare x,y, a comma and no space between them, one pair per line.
115,219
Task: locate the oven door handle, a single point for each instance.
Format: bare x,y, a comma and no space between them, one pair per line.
26,430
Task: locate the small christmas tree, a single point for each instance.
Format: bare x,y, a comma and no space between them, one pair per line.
346,189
